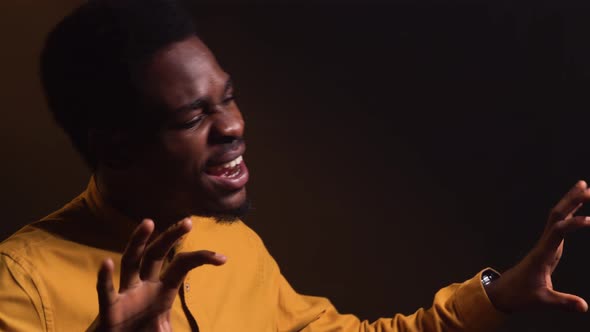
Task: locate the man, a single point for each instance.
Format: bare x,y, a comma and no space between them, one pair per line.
152,112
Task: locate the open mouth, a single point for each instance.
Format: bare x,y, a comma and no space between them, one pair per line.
229,170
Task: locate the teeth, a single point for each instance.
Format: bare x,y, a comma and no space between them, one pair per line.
233,163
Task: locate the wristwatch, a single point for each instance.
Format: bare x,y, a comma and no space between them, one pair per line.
488,276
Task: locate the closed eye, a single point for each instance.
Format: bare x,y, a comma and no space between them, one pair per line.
190,124
227,100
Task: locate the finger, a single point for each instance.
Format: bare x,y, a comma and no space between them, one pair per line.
186,261
563,301
559,230
104,286
131,260
570,203
156,252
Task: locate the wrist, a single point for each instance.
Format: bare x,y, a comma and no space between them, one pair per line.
495,290
499,292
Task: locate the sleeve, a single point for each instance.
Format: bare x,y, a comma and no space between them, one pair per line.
21,308
459,307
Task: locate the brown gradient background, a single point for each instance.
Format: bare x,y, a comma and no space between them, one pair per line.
394,149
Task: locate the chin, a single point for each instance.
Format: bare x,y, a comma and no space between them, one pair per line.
229,209
230,215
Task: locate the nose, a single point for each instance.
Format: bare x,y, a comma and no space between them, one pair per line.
227,126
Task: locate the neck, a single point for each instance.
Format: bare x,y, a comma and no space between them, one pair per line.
134,199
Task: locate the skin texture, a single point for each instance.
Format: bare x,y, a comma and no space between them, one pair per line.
528,285
175,151
146,295
199,126
175,157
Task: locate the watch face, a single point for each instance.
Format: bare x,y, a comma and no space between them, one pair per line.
488,276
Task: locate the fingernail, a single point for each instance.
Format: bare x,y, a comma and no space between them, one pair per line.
220,256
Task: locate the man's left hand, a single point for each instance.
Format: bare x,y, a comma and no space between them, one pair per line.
528,285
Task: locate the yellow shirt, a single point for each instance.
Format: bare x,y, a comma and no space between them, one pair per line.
48,276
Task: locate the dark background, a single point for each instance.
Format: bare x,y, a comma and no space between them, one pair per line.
394,147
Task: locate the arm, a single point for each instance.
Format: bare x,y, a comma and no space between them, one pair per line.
458,307
21,308
468,306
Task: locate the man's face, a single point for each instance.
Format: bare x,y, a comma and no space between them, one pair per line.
195,164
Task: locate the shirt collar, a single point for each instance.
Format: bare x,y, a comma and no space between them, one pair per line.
119,226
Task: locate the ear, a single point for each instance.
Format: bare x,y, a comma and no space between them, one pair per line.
112,148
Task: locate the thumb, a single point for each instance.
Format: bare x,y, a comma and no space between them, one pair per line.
564,301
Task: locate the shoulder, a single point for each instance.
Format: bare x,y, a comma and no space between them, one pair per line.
24,242
36,240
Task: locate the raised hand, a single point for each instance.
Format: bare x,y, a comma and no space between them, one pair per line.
528,285
146,292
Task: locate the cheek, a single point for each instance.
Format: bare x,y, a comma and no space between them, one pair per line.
185,150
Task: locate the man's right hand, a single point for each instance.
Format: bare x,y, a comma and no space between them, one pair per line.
146,293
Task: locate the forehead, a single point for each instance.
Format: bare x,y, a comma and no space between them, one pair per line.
183,72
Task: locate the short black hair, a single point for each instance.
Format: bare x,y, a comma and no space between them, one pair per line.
91,62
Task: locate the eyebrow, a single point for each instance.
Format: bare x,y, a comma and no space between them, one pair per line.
229,84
